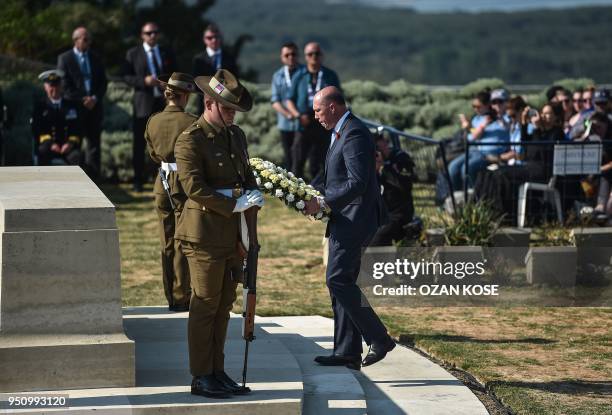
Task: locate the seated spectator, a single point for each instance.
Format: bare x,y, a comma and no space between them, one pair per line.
577,107
513,109
395,170
601,128
487,127
564,98
499,183
552,93
56,125
601,101
578,127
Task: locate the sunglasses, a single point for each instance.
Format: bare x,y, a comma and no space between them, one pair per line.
151,32
314,54
565,101
288,55
584,101
212,37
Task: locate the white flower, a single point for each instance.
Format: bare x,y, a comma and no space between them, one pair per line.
300,205
268,185
319,215
325,220
258,180
291,175
279,193
290,197
255,173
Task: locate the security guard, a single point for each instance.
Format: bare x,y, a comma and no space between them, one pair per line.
395,170
56,125
161,133
215,175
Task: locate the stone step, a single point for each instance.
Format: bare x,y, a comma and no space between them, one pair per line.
403,383
163,379
282,374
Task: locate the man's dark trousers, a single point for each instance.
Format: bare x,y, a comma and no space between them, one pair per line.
352,319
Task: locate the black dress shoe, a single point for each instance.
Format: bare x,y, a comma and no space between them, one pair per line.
378,351
208,386
338,360
179,308
231,385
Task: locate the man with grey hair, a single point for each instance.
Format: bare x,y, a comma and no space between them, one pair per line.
85,82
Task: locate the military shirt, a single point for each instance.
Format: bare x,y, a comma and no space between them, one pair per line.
209,159
163,128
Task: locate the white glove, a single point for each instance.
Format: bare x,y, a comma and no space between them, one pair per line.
255,197
242,203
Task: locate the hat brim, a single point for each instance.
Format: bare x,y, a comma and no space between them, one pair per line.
163,80
244,104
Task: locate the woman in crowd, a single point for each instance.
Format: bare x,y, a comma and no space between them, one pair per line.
486,127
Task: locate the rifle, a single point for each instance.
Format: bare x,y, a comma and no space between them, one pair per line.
249,286
164,181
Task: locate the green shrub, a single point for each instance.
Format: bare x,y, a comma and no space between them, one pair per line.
436,115
473,224
364,91
388,114
446,131
475,87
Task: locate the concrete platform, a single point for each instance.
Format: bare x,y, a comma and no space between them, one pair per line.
282,374
163,379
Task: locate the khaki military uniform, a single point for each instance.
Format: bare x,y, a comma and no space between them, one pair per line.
210,160
161,132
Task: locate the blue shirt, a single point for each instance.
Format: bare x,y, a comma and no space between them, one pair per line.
302,90
281,92
497,131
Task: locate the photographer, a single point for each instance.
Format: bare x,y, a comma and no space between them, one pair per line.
395,171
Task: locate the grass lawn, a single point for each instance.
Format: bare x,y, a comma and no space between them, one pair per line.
536,360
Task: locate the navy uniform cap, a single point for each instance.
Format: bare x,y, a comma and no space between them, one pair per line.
52,76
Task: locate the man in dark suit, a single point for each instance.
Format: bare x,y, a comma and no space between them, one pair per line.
352,194
143,65
215,57
85,82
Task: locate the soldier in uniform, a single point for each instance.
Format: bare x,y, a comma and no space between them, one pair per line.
214,172
56,125
395,171
161,132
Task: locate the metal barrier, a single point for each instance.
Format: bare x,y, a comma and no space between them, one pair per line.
561,170
423,152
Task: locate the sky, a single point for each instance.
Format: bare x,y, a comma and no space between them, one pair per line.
475,6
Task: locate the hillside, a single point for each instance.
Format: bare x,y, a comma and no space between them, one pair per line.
453,48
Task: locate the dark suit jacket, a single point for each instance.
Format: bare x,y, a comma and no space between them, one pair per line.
204,66
136,69
351,188
74,82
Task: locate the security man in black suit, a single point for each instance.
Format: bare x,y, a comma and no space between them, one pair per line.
143,65
85,83
395,170
56,125
213,58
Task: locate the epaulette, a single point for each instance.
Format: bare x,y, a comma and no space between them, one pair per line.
192,128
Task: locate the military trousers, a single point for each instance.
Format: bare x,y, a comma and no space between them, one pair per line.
214,277
175,270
